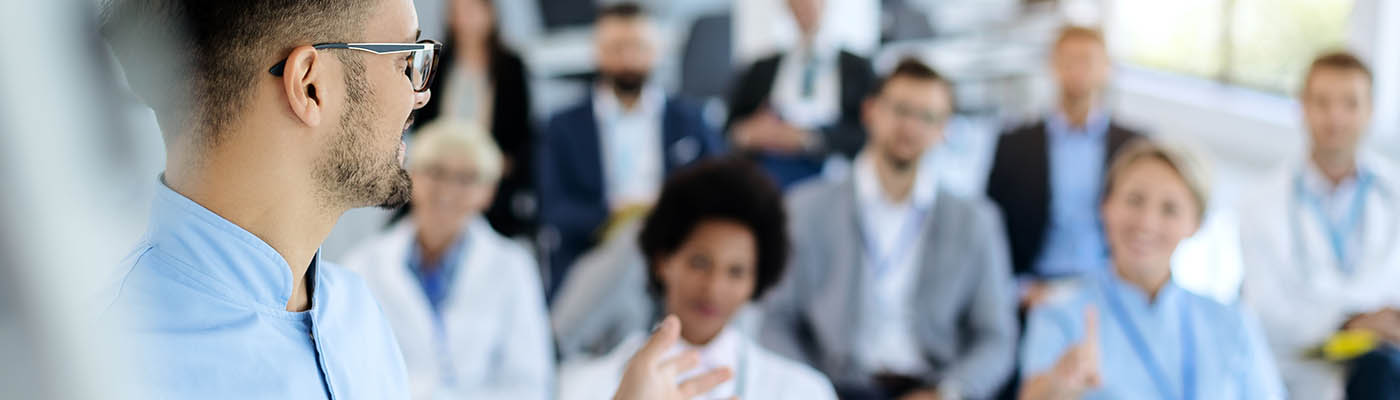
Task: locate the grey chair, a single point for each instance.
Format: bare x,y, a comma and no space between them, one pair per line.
705,61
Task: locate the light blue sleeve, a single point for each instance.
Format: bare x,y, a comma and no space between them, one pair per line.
1261,378
1050,330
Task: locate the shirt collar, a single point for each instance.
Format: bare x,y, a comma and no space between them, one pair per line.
1096,127
607,108
1316,184
222,256
1134,295
723,351
869,193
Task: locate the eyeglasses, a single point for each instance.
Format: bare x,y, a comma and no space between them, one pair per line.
902,110
422,58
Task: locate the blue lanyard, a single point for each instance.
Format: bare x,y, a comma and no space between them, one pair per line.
1144,352
881,263
1337,233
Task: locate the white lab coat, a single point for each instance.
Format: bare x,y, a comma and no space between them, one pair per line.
496,326
762,375
1292,279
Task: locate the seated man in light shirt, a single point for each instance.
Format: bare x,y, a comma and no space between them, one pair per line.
1321,244
898,289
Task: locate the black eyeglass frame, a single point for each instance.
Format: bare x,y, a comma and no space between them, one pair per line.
433,46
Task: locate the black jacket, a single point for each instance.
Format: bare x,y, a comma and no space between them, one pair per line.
1019,184
846,136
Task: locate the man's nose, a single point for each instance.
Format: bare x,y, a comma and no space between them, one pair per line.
420,99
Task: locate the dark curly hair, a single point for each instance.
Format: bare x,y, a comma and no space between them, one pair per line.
730,189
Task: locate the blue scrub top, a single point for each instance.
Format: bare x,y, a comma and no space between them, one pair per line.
206,301
1227,356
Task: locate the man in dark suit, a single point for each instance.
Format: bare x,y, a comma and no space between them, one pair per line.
607,156
1047,177
793,111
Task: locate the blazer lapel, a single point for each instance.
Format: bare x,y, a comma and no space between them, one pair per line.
836,305
587,149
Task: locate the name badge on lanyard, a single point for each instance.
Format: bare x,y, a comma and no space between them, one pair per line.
882,262
1156,370
1337,231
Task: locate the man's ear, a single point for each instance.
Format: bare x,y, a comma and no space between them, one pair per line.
301,78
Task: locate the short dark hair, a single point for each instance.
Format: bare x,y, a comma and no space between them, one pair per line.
1072,32
912,68
219,48
1338,60
623,10
727,189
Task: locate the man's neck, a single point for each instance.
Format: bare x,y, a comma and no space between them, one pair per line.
1335,166
629,102
1076,109
281,210
896,182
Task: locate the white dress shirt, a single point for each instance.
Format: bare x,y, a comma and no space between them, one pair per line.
886,334
630,141
1337,204
819,106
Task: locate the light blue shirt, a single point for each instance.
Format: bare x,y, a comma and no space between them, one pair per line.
207,300
1339,208
1074,242
1230,360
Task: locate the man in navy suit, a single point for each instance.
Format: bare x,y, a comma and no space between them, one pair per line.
609,154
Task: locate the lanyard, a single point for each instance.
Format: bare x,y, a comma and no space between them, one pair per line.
1144,353
1337,232
908,234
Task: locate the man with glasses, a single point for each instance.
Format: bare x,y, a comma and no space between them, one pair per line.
278,116
898,290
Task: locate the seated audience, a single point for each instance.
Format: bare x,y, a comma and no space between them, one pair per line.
465,303
1321,244
1130,331
899,289
715,241
608,155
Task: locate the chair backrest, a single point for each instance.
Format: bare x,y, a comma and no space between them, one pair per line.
706,62
556,14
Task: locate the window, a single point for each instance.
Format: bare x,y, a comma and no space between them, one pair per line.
1263,44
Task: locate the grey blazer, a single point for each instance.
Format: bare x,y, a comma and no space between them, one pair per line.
964,298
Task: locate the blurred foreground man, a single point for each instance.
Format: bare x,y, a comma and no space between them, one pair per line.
278,116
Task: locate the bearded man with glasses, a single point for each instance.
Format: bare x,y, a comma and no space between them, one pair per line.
226,295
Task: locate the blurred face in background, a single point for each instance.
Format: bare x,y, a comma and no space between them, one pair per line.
1081,67
1337,108
626,51
474,19
906,118
447,193
709,277
808,14
1148,211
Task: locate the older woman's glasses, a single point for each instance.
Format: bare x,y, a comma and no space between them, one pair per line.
421,57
